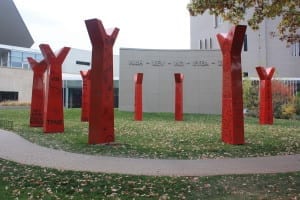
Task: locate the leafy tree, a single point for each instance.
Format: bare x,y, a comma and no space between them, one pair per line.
234,11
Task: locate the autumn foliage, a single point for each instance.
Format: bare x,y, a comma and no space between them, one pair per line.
285,103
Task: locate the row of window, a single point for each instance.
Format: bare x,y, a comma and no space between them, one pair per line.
18,59
206,44
296,49
8,96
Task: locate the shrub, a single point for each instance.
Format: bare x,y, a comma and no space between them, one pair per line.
250,97
284,104
281,94
288,111
297,103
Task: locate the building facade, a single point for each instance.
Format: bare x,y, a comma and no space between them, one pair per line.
201,69
15,72
261,47
13,29
16,75
201,65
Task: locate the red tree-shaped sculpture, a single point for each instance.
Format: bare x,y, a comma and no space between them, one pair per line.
101,119
37,97
138,97
85,98
53,104
178,96
232,97
265,94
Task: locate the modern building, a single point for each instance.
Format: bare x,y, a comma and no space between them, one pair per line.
200,65
14,83
201,70
261,47
15,72
13,29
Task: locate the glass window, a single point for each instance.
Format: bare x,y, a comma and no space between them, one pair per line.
16,64
245,43
26,55
6,96
26,66
16,59
16,54
218,20
39,57
116,83
296,49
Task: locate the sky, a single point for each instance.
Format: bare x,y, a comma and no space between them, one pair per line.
150,24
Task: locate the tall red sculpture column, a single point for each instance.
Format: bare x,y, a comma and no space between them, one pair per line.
138,97
37,97
53,104
101,119
265,94
232,91
85,97
178,96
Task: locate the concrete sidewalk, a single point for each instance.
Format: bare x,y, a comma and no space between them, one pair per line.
15,148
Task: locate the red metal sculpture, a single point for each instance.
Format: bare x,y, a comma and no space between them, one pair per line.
53,103
265,94
178,96
232,97
37,97
85,97
138,97
101,119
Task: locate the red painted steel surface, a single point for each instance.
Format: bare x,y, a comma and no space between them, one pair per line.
37,97
178,96
232,91
101,118
53,104
265,94
85,98
138,97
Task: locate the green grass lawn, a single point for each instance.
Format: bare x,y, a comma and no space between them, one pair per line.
28,182
159,136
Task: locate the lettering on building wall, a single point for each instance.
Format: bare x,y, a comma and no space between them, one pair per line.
135,63
200,63
157,63
176,63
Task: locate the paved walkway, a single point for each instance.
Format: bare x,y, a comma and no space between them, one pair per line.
15,148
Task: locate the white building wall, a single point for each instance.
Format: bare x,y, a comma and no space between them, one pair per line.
70,66
279,55
263,49
17,80
201,84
